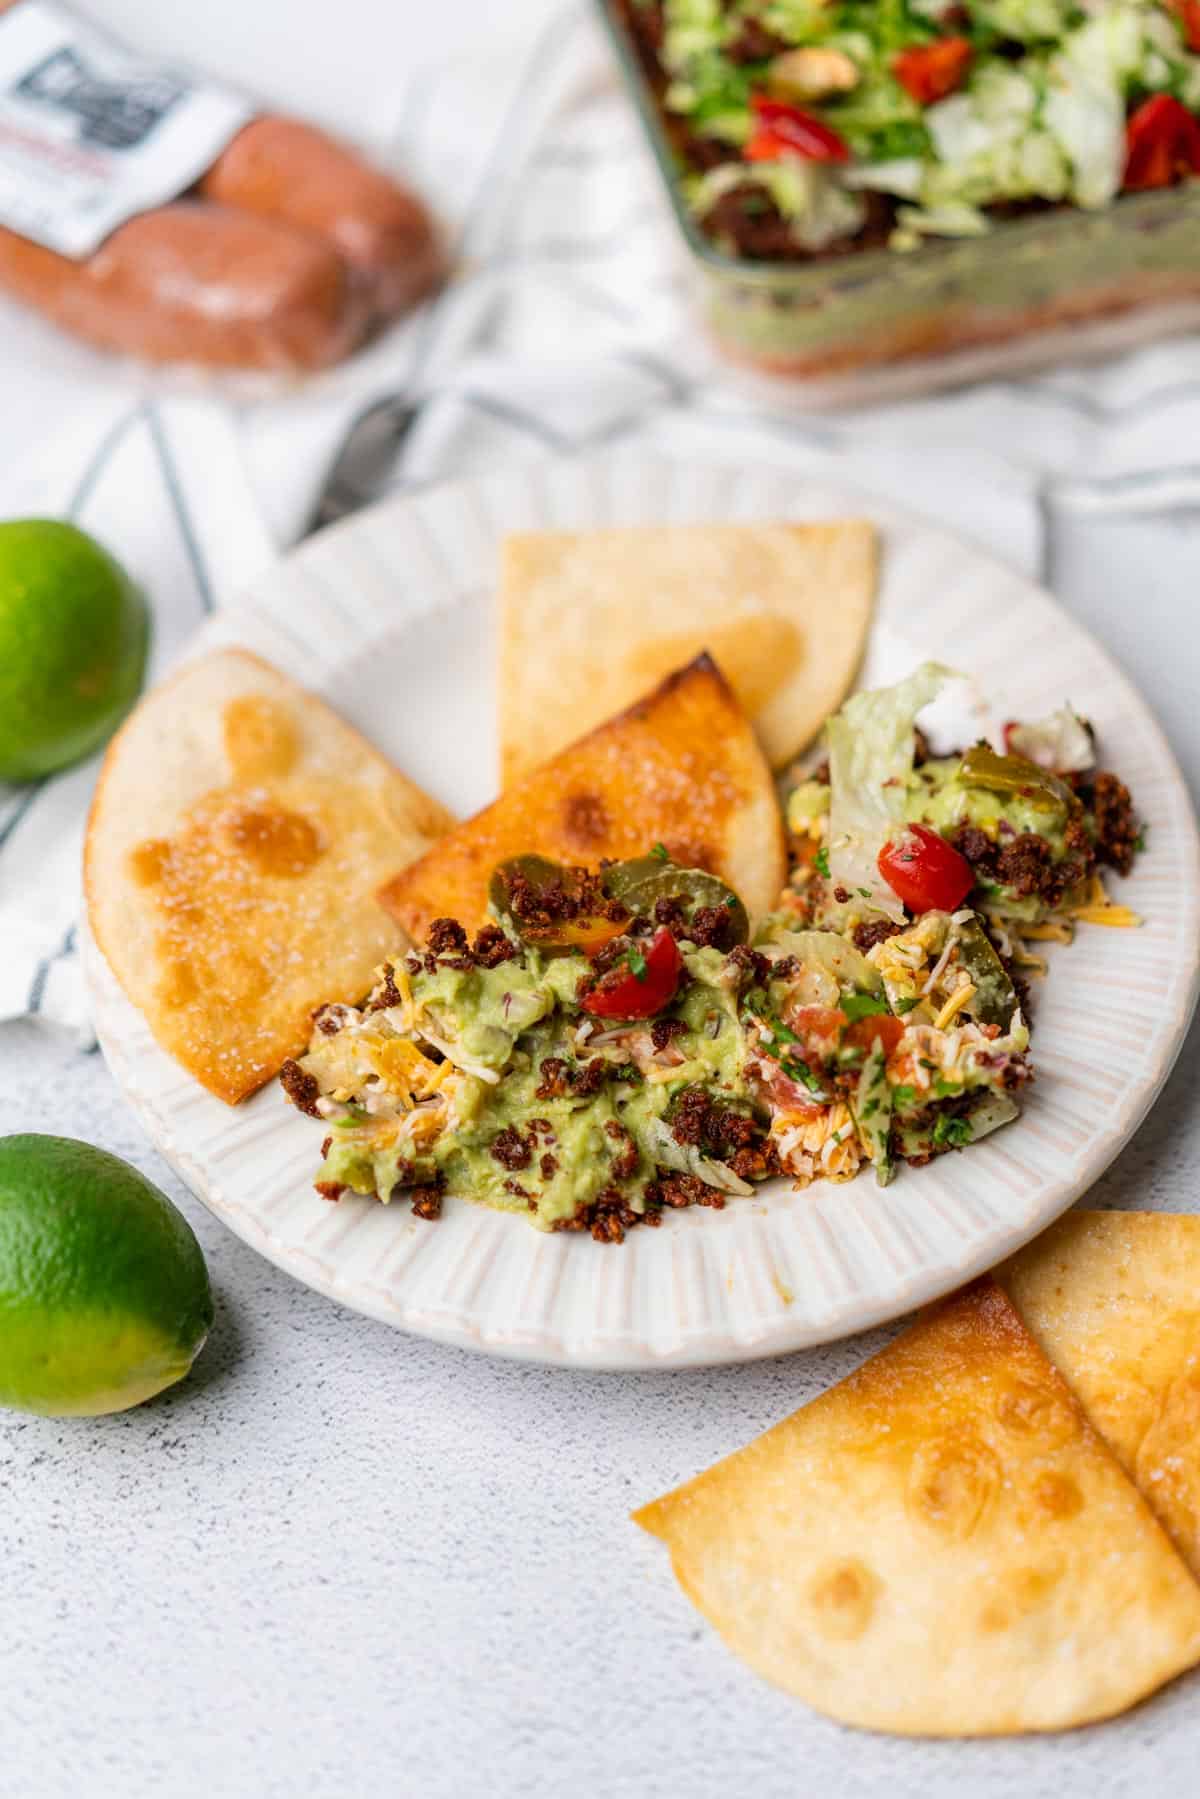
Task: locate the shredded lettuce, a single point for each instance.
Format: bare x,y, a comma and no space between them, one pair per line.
1084,110
799,21
1041,114
692,27
989,1114
954,218
1088,122
1061,742
661,1148
998,106
870,745
990,146
879,120
830,965
902,176
1029,21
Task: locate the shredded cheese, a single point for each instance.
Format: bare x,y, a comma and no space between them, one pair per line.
961,997
940,965
1097,908
402,982
439,1074
1120,916
1058,932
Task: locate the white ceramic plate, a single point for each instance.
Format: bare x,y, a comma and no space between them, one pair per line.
389,617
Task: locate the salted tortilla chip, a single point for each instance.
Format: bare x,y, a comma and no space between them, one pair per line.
1114,1300
940,1545
681,768
236,839
589,620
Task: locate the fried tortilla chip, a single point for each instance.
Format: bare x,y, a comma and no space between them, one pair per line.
1114,1300
237,837
939,1546
682,768
589,620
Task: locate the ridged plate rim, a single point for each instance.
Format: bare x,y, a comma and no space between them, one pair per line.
766,1275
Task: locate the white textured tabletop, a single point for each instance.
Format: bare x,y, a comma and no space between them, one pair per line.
337,1561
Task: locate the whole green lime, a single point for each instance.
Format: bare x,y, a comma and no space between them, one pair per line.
74,630
104,1296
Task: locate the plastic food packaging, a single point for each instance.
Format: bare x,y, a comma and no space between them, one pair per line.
879,325
284,250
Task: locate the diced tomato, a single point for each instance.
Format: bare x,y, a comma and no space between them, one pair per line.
925,871
879,1028
1188,14
821,1031
785,130
931,71
631,991
1162,144
818,1030
820,1021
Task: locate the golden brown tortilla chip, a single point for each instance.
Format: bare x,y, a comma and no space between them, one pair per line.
1114,1300
590,619
681,768
237,836
939,1546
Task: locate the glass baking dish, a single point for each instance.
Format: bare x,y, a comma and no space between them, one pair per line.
883,324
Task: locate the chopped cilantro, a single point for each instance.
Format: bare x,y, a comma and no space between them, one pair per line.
901,1006
903,1095
636,961
730,900
660,850
800,1071
863,892
626,1071
952,1133
862,1005
774,1030
1139,842
821,861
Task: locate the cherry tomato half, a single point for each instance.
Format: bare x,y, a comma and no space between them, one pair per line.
642,984
925,871
1162,143
786,130
1188,14
931,71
